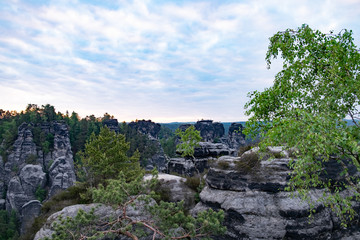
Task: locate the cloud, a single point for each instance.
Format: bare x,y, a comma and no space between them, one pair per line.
163,60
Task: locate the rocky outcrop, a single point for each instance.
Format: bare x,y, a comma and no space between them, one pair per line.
210,131
29,211
174,189
62,175
151,130
24,175
208,149
236,138
112,124
23,148
146,127
101,212
213,132
251,192
188,167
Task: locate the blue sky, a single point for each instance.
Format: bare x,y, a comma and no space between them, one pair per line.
160,60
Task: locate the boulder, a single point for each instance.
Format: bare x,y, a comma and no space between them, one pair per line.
175,189
101,212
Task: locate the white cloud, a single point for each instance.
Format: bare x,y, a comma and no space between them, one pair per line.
178,61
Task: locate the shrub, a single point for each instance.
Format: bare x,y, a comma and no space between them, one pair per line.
223,165
193,182
247,162
31,159
40,193
243,149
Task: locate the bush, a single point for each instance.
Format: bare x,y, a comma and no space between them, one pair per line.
223,165
193,182
40,193
247,162
31,159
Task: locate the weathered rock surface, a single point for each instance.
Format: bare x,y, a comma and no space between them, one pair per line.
101,211
208,149
236,138
187,167
151,130
62,175
209,130
146,127
176,189
256,205
112,124
24,172
29,211
23,148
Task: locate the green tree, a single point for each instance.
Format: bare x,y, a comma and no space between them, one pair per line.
190,139
105,156
305,109
162,221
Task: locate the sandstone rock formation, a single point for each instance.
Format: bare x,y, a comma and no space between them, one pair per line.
146,127
256,205
151,129
102,212
236,138
175,189
112,124
209,130
24,174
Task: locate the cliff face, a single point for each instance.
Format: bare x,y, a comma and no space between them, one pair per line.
30,175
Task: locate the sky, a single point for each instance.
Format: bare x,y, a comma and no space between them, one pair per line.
152,59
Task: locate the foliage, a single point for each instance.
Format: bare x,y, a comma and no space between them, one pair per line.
190,139
316,89
138,143
9,224
40,193
70,196
168,141
162,221
105,156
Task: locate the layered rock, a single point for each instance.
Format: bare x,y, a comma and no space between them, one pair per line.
209,130
23,148
24,174
208,149
151,129
236,138
187,166
101,212
251,192
112,124
146,127
175,189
